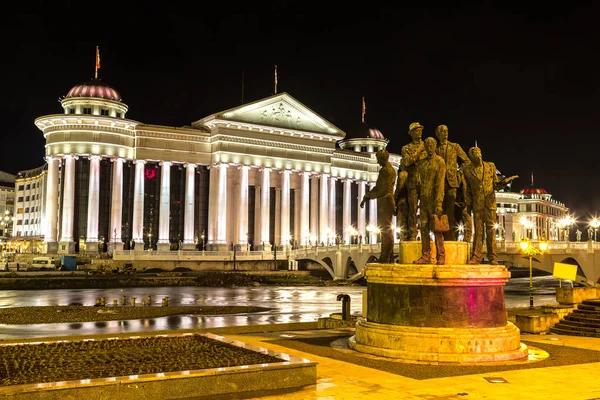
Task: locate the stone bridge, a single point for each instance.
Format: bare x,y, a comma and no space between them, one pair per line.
343,262
348,261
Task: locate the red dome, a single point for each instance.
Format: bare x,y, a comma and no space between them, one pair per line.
94,88
533,190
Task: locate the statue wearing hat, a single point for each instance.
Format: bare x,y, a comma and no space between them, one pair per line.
383,191
412,154
451,153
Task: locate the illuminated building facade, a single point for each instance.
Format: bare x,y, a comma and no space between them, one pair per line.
30,204
7,204
261,174
531,213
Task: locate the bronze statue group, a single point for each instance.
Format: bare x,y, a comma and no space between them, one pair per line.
440,180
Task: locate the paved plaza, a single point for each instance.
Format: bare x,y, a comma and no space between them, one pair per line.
576,379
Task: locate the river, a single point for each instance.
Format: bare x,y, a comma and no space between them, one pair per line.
287,304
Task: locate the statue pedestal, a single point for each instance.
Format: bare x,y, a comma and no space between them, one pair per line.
438,314
456,252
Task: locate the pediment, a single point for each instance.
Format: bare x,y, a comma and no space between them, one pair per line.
280,111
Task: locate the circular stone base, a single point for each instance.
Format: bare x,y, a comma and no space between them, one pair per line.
439,345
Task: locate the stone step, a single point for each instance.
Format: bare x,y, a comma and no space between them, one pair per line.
569,320
591,322
589,313
576,327
559,331
588,307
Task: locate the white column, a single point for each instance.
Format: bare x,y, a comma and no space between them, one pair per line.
347,210
213,193
285,207
304,210
297,215
116,213
93,199
360,220
264,206
66,230
188,216
324,208
373,216
332,194
314,206
51,200
221,228
138,204
243,211
165,202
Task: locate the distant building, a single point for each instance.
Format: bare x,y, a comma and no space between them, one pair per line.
531,213
30,207
7,204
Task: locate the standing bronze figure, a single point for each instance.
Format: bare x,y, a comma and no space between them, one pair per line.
450,153
480,177
383,191
432,172
412,153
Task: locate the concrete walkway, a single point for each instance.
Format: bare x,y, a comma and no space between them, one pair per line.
338,380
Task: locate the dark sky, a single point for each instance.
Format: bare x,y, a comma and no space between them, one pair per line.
518,78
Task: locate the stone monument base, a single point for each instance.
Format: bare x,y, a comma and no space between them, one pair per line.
439,345
410,251
438,314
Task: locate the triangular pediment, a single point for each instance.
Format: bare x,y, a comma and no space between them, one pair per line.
279,111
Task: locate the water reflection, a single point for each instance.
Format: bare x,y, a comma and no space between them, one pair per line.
288,304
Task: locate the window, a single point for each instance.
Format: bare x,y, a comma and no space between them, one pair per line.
21,187
71,111
87,110
26,198
20,199
19,211
27,187
103,112
118,115
26,209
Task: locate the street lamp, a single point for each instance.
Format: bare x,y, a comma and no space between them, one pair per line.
594,224
203,236
566,223
527,224
529,250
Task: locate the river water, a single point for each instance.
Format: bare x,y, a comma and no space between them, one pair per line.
287,304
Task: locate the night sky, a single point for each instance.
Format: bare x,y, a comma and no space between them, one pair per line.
522,82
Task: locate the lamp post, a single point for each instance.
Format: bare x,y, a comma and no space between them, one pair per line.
594,224
529,250
203,236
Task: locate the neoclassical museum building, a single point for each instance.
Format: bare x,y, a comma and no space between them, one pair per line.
265,173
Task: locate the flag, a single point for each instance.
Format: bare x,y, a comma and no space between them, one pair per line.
364,109
97,62
275,79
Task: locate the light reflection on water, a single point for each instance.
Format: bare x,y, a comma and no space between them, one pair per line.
288,304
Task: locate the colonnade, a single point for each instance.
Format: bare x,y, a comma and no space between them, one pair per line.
315,219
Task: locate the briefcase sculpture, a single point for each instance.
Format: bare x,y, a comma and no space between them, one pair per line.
441,223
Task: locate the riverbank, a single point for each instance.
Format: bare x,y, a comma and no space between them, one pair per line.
227,279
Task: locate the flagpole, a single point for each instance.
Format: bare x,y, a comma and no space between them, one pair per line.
242,86
275,79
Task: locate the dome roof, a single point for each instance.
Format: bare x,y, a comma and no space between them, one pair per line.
533,190
363,130
94,88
